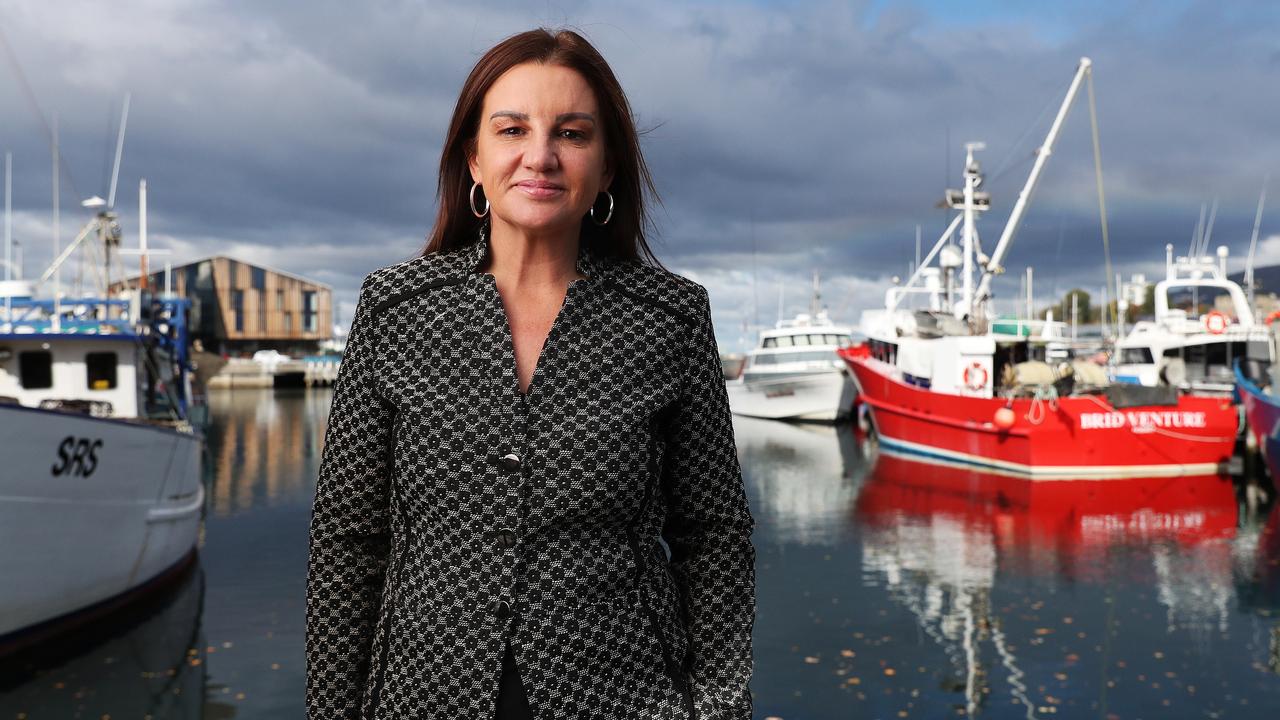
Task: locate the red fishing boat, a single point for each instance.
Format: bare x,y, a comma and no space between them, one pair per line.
1076,436
944,379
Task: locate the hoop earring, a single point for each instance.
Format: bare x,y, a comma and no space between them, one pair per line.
607,216
474,211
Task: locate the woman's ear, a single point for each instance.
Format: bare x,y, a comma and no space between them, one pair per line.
607,179
473,161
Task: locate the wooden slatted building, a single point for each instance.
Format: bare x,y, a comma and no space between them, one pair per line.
238,307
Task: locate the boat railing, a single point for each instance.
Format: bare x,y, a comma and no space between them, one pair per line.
74,316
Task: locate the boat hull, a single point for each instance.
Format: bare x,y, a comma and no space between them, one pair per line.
97,507
1262,411
818,397
1073,437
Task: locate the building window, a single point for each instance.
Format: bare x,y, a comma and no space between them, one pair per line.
258,277
279,300
35,369
288,323
237,308
262,312
310,313
100,370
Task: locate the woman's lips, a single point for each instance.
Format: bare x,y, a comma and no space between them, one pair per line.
539,188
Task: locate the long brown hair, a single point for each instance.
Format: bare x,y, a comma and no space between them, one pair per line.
624,236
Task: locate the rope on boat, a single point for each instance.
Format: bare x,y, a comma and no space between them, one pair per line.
1036,413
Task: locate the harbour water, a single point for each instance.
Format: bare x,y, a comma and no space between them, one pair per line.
886,589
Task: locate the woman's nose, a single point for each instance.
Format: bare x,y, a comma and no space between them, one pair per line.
540,154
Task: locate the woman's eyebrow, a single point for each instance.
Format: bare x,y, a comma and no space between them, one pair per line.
562,117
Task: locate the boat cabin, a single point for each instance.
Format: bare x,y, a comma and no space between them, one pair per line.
1203,324
87,356
803,342
93,373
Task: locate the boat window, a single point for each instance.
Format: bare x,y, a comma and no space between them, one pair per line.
1136,356
100,370
821,356
818,340
784,341
1197,300
832,340
770,342
35,369
799,339
845,341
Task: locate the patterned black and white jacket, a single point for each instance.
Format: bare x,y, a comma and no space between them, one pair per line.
598,524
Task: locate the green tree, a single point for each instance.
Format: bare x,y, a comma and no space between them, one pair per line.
1149,301
1084,306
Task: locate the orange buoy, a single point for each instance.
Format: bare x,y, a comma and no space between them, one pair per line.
1004,418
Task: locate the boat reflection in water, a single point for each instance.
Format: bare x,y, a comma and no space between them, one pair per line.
143,662
1046,588
800,473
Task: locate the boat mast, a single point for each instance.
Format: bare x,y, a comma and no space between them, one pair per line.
57,235
992,266
969,233
8,238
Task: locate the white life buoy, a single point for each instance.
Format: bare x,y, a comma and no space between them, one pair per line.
1216,322
975,377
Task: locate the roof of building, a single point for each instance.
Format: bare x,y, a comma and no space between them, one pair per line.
277,271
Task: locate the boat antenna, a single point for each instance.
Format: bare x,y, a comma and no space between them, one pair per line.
1194,250
115,167
1208,229
1253,240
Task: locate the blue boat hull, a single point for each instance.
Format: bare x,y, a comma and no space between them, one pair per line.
1263,413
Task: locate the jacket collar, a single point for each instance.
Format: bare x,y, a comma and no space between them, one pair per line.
588,263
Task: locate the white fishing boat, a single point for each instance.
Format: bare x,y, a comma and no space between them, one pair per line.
794,372
1203,323
101,493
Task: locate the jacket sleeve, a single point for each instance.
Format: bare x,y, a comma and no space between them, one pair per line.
708,529
350,532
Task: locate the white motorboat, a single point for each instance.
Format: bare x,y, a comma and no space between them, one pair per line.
101,495
794,372
1203,323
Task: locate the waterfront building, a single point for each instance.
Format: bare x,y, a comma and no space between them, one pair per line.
238,308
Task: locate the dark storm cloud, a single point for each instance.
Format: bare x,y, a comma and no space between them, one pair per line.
305,135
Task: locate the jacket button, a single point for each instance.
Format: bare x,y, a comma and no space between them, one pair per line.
506,539
510,462
500,608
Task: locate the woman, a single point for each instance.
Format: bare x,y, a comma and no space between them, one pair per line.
529,502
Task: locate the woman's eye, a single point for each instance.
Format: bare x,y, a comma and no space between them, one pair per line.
510,131
572,134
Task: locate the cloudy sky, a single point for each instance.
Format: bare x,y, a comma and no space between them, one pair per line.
786,137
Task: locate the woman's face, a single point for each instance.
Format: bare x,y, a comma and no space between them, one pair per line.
539,151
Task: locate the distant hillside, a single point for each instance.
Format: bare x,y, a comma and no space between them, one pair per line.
1268,278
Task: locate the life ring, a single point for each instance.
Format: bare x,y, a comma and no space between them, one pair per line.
1273,317
975,376
1216,322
